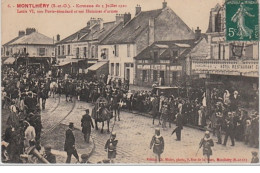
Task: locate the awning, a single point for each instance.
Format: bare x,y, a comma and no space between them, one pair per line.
9,60
97,65
65,62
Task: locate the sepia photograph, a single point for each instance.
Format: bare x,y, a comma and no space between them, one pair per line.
120,82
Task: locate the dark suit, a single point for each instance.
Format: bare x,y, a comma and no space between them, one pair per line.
69,146
50,157
179,126
229,131
86,124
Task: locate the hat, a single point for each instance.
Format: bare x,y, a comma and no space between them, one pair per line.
157,129
71,125
47,147
84,156
113,134
207,133
87,110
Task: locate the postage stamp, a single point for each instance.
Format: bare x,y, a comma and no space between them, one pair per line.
242,20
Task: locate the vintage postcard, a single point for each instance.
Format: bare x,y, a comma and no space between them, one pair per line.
120,82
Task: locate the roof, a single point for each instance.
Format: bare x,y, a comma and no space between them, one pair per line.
99,34
11,41
76,36
9,60
34,38
93,32
133,28
166,47
97,65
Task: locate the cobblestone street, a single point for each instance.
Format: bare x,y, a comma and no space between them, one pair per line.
134,133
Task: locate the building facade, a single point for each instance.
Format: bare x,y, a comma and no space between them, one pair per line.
80,50
226,65
30,47
139,32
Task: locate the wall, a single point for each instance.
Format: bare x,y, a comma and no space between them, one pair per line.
33,50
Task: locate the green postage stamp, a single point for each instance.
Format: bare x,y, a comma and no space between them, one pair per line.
242,20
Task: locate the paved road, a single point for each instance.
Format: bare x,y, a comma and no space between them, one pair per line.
134,133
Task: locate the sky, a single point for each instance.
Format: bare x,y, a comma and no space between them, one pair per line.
193,12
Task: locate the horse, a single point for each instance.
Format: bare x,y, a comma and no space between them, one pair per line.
101,114
53,88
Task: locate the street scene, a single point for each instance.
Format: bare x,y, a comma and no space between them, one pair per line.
142,89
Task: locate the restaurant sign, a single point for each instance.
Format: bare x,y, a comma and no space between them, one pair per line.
228,67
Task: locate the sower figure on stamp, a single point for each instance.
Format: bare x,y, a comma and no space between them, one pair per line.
207,143
86,124
69,146
110,147
157,143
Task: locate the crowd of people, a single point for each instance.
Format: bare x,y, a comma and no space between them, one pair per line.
25,90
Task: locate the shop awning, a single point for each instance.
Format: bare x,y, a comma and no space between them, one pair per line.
97,65
65,62
9,60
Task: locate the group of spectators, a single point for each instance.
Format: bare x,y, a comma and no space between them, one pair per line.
25,90
22,89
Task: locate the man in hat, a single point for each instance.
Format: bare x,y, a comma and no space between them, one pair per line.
157,143
218,125
84,158
86,124
179,127
69,146
48,155
110,147
255,158
229,131
206,142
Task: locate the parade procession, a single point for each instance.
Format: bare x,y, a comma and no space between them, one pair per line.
145,88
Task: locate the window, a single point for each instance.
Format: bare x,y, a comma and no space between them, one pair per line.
24,50
93,52
104,53
128,50
155,56
85,52
218,23
145,75
112,68
155,75
116,50
58,50
63,50
77,52
117,69
68,49
174,77
41,51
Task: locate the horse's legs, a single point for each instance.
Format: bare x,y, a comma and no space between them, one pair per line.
102,126
96,124
108,126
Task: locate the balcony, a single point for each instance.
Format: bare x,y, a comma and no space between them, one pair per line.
226,67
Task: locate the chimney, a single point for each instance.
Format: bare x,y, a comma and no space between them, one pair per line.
197,33
127,17
151,31
119,18
137,9
30,30
93,21
101,23
21,33
164,4
58,37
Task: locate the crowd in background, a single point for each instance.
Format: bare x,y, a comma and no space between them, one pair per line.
26,89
